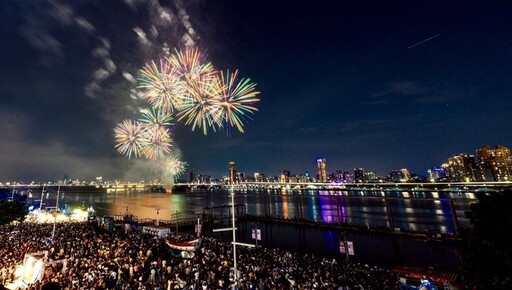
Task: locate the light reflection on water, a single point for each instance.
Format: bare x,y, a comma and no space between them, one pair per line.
433,211
327,206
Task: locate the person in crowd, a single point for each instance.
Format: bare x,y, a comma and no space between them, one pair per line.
84,256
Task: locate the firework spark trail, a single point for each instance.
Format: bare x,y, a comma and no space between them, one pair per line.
186,85
198,76
190,63
200,110
156,124
172,166
163,86
159,143
130,138
156,117
236,100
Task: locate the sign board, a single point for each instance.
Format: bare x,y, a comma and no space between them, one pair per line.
347,247
343,249
198,229
157,232
256,234
350,248
33,268
106,223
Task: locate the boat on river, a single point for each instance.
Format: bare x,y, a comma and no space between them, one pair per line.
188,246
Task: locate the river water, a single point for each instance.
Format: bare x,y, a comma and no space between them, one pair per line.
435,211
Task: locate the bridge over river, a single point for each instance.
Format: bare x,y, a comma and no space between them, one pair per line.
463,187
381,186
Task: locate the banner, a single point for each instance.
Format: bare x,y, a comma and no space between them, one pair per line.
256,234
343,249
347,247
350,248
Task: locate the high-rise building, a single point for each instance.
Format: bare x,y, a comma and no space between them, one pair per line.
337,176
406,174
439,173
495,163
259,177
462,167
396,176
322,169
285,176
359,175
232,172
347,177
307,176
369,176
240,176
203,178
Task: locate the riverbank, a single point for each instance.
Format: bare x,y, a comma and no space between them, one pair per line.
418,235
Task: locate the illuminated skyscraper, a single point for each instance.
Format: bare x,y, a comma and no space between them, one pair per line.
439,173
462,167
232,172
369,176
406,174
495,163
258,177
359,175
322,169
285,176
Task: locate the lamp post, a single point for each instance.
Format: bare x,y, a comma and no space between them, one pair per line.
55,213
234,233
157,217
42,194
235,243
13,191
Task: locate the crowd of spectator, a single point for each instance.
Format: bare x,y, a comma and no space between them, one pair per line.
85,256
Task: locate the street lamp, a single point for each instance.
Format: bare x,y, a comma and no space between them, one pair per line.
233,228
42,194
157,217
55,213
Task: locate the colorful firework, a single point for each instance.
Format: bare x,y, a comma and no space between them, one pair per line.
186,85
235,102
163,86
190,63
172,166
130,139
200,110
158,142
154,117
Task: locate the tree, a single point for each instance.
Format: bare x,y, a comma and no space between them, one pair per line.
487,257
11,211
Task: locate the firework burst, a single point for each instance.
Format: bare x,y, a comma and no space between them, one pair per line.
154,117
190,63
235,101
184,85
172,167
130,139
162,85
200,111
158,143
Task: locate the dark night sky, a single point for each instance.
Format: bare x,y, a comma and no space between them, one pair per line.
339,80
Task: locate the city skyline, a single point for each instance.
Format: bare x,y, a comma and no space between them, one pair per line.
381,86
489,164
